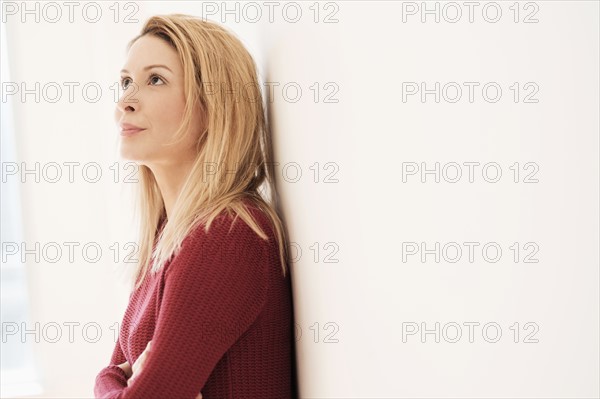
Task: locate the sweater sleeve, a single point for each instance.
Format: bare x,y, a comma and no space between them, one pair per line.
215,288
111,378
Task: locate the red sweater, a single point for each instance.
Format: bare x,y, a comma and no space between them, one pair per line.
220,318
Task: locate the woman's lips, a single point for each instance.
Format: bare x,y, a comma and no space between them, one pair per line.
130,132
129,129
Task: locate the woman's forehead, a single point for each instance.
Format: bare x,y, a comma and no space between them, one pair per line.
150,50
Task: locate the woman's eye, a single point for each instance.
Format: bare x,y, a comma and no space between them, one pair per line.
153,79
156,77
123,85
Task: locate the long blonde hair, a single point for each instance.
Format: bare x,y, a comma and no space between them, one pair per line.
237,141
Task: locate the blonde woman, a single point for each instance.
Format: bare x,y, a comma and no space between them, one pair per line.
210,310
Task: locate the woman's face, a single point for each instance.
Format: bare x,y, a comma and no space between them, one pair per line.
153,100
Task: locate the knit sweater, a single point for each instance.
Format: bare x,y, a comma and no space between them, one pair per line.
220,318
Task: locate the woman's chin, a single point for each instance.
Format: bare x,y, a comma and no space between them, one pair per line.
132,154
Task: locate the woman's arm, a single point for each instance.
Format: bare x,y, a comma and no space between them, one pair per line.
138,366
113,377
215,289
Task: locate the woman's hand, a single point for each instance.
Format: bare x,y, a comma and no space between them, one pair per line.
138,366
126,368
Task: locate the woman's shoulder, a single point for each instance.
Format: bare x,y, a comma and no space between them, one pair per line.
228,241
229,227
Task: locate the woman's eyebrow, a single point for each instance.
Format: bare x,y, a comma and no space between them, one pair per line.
151,66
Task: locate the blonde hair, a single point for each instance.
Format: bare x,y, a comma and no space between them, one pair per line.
236,139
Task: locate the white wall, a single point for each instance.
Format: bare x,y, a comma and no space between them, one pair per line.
364,141
372,294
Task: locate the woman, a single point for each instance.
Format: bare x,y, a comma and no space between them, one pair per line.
210,312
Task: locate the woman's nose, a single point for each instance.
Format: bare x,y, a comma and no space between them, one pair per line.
128,101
